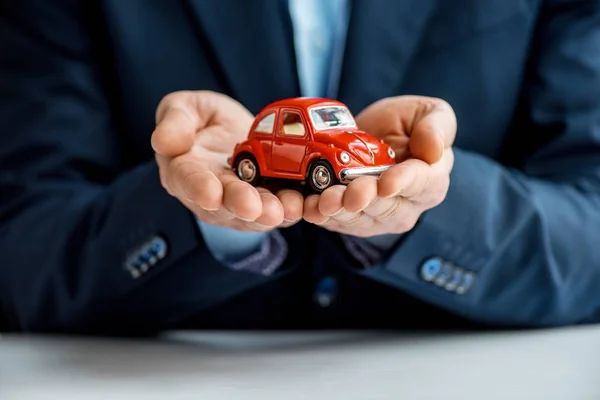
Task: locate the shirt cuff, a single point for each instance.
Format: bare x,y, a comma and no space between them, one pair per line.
370,251
258,252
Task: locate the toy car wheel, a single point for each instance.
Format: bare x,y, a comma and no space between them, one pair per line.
246,168
321,176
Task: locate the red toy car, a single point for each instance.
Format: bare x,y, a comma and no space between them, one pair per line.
309,139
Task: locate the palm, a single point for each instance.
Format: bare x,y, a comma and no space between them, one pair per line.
196,133
421,131
213,146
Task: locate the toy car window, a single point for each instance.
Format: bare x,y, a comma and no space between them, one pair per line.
331,117
266,124
292,124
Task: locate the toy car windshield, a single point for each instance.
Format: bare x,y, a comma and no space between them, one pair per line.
331,117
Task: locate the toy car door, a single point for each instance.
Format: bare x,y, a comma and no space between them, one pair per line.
291,139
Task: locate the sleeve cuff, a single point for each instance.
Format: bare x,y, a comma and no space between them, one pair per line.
364,251
371,251
257,252
267,260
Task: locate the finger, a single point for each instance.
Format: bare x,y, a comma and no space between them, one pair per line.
241,198
176,125
331,205
348,218
217,218
385,208
331,201
360,193
163,168
311,210
394,214
446,164
439,181
408,179
433,130
190,180
400,144
293,204
272,209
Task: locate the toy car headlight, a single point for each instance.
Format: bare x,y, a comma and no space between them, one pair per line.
391,152
344,157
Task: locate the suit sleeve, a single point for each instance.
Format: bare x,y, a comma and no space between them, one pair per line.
90,241
519,245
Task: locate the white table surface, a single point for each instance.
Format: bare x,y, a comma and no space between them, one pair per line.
554,364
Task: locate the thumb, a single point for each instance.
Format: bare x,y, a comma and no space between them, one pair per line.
433,130
426,144
176,125
422,125
181,115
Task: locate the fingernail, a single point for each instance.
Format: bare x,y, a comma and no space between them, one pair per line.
208,208
394,194
261,226
341,210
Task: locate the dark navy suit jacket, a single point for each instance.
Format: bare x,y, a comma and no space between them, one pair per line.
80,192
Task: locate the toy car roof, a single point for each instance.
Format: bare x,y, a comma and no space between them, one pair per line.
304,102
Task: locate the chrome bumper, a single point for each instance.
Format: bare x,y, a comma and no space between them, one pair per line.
349,174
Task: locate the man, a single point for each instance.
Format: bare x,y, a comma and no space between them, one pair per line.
118,217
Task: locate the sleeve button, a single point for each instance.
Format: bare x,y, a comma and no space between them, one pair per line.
445,274
466,283
158,247
455,279
431,268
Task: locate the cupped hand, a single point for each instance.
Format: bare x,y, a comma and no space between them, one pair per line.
195,133
421,130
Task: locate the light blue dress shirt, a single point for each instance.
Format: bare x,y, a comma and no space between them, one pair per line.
320,28
319,37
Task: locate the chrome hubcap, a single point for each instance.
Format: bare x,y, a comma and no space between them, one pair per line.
321,177
246,170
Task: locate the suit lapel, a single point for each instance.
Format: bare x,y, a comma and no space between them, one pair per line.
253,46
382,37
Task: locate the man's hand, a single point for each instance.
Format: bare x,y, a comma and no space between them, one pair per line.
421,130
195,133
